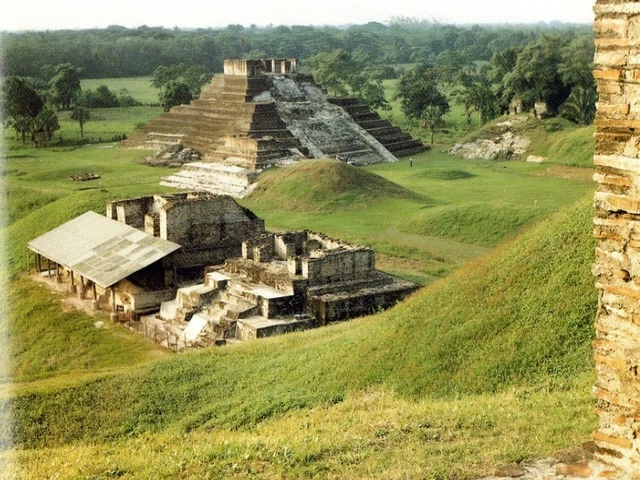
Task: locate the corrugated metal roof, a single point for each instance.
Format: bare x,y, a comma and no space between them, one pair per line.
103,250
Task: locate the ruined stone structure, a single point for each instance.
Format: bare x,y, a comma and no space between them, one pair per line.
617,228
145,255
209,228
282,282
262,113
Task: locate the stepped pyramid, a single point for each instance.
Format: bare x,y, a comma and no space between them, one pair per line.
262,113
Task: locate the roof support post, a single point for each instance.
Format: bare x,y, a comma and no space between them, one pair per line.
72,285
114,314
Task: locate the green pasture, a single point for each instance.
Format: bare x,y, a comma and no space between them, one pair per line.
448,211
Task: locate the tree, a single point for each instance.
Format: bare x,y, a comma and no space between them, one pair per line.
476,95
339,71
536,75
22,103
420,98
367,86
174,93
101,98
333,70
194,76
580,107
65,85
47,122
576,71
80,114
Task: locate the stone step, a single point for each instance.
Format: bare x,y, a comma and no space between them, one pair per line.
259,327
168,310
192,297
182,183
368,124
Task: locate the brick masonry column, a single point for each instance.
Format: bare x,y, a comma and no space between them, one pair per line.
617,229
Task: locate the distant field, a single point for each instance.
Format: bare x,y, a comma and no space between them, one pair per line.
138,87
104,125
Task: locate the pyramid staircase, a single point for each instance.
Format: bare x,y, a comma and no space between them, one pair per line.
394,139
229,306
225,108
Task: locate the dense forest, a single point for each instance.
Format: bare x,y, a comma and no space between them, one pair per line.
122,52
483,68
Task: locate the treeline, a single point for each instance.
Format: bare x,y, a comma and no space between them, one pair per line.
123,52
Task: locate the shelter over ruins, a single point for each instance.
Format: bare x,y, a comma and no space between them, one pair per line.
117,266
141,258
262,113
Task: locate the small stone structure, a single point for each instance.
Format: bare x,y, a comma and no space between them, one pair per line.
617,229
515,106
540,110
262,113
282,282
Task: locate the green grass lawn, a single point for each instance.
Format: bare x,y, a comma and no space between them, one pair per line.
449,210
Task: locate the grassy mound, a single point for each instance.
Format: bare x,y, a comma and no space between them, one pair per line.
474,223
574,148
324,184
520,318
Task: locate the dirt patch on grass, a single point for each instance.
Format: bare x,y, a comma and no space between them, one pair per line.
569,173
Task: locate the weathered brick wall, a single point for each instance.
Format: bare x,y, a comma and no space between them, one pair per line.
617,229
338,266
207,222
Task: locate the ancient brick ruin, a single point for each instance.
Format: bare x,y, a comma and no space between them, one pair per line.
209,228
262,113
617,228
282,282
147,254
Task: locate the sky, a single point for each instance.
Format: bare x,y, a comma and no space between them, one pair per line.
76,14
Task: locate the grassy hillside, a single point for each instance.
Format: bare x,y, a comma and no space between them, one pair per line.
488,365
423,221
514,323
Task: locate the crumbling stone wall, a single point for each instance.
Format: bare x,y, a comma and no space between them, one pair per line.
250,68
209,228
617,229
